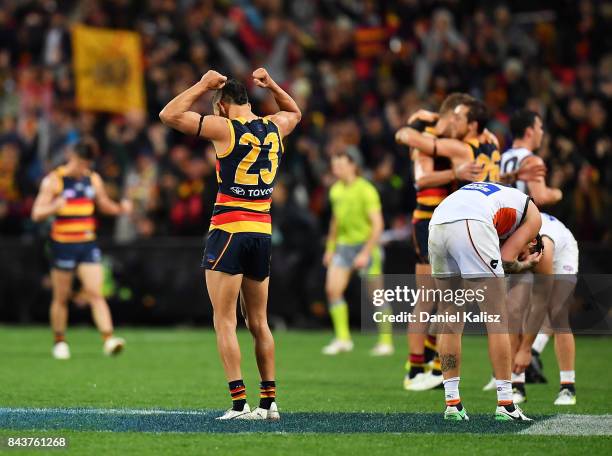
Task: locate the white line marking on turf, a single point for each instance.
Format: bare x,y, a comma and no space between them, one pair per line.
571,425
76,411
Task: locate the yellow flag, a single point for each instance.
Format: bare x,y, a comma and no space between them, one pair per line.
108,69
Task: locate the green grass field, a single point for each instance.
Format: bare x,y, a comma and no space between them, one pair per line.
174,369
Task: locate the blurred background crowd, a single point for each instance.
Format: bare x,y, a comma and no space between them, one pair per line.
357,68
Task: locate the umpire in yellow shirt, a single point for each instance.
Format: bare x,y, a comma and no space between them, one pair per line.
352,245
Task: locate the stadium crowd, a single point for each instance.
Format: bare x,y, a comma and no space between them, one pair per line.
357,68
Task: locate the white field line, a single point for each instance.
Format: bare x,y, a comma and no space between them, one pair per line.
97,411
572,425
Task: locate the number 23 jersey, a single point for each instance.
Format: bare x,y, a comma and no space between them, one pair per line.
246,172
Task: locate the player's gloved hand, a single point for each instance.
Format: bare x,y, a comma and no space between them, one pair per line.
522,359
261,78
213,80
424,116
469,171
361,260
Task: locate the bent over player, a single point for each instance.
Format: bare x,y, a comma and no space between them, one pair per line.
70,194
464,242
237,254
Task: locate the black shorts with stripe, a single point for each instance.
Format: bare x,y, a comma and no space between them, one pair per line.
238,253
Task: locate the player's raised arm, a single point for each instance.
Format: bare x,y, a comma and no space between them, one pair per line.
289,114
516,243
451,148
105,204
47,203
176,113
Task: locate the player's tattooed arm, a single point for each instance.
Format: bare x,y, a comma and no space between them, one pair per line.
515,266
448,362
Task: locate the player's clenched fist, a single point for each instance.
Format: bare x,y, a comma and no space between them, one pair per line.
261,78
213,80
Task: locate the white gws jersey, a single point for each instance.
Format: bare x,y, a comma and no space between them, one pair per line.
511,161
565,258
494,204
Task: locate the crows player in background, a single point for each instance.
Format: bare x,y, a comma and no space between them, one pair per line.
69,195
238,247
352,245
435,178
464,243
473,143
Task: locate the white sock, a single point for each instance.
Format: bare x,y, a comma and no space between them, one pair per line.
451,390
518,378
504,390
540,342
567,376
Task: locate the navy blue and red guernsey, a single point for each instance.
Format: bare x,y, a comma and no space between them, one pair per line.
486,154
75,221
427,199
246,173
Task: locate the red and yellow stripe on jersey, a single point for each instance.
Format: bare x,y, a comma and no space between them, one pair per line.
237,215
75,221
428,199
246,173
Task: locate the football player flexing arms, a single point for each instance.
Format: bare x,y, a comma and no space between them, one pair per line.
238,246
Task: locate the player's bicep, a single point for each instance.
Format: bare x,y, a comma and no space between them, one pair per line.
285,121
47,191
186,122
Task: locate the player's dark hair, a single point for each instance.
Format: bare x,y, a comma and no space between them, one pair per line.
478,112
85,149
233,92
453,100
520,121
